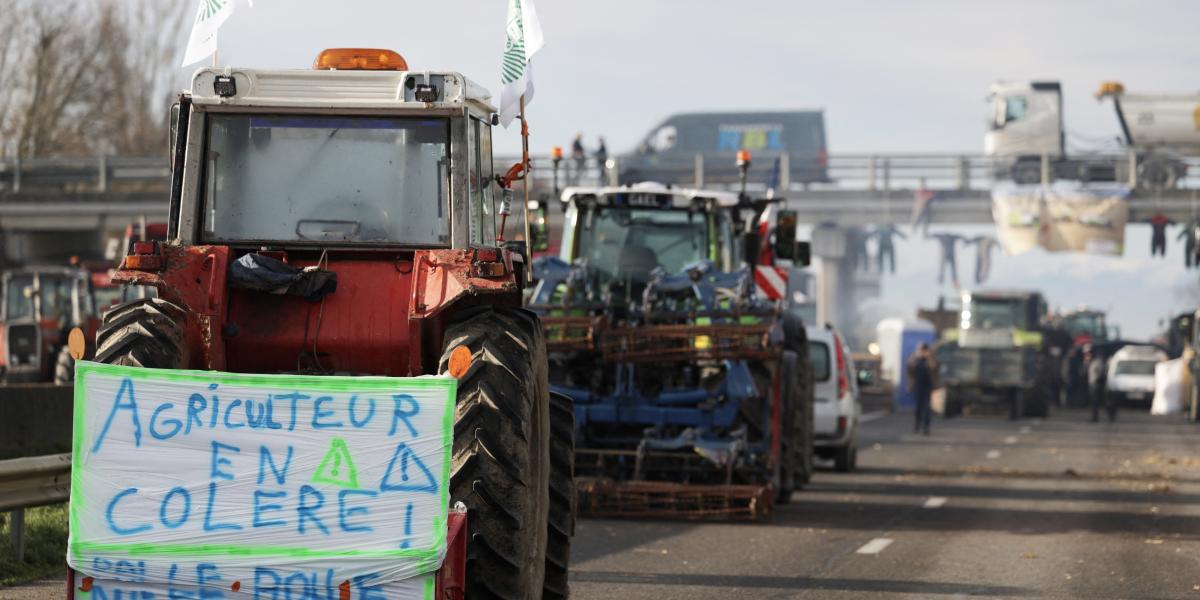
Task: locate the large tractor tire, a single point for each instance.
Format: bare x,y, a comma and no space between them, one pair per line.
796,341
562,496
143,333
501,460
64,367
790,436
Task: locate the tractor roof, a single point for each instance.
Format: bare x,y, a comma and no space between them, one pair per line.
1001,294
651,195
332,89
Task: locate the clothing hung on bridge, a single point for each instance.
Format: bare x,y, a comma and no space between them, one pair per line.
946,260
887,249
1158,238
922,213
984,245
856,249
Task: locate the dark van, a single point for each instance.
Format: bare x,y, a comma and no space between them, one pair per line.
668,154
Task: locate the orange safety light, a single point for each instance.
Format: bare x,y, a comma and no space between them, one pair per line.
359,59
556,153
743,158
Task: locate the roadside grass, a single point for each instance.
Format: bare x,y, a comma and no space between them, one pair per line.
45,546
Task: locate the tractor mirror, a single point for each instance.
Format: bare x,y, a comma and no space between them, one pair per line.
785,235
803,256
173,132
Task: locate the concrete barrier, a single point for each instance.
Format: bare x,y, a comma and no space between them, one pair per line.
35,419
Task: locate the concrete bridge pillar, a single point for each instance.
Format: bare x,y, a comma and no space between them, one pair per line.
841,285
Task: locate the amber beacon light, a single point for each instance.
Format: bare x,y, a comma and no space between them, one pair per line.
359,59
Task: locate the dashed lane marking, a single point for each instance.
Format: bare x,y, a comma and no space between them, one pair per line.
1025,429
992,454
1010,440
874,546
934,502
871,416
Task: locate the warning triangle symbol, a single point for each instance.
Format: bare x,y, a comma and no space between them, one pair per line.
413,475
337,468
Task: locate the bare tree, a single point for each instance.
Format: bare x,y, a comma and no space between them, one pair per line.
81,77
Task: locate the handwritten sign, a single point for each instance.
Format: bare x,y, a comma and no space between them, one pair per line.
205,478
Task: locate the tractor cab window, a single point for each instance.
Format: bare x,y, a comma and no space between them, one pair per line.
483,212
621,243
996,314
318,179
54,291
19,297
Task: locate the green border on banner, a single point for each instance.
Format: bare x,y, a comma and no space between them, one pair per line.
333,383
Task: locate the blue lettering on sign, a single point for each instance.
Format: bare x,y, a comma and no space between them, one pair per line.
176,424
401,415
259,509
187,507
196,405
255,421
126,390
406,456
218,462
208,524
228,411
775,139
112,505
271,424
260,584
320,413
303,511
203,577
265,459
345,513
366,590
370,412
292,397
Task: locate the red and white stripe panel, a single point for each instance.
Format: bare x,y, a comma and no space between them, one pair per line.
771,282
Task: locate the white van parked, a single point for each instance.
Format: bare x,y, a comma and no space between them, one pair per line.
1131,374
835,398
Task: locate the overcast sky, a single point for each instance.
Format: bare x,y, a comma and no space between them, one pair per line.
890,76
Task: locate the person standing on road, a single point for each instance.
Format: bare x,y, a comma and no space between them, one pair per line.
1097,376
921,368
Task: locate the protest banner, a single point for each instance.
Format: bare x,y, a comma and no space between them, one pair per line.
279,486
1061,218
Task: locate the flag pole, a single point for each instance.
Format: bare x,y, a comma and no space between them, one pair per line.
525,184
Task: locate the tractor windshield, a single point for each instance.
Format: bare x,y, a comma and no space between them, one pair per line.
53,293
317,179
629,243
995,314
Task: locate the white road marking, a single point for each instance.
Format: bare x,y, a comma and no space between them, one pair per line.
1012,439
934,502
993,454
873,415
1025,429
874,546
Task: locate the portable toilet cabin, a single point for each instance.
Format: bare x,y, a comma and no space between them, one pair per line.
898,339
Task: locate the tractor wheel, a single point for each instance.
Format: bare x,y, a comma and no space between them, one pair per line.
790,442
846,457
562,496
143,333
501,460
64,368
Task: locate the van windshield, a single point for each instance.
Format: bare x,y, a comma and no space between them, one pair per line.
298,178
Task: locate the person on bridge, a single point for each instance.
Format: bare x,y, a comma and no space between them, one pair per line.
1158,239
887,248
601,155
1097,376
579,156
947,259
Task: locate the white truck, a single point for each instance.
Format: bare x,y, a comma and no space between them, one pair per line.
1026,136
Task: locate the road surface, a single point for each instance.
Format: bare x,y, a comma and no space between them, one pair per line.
1056,508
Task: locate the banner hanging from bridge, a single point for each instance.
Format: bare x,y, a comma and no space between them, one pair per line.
202,484
1061,218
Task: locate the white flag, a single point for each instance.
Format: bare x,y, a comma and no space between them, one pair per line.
202,43
524,38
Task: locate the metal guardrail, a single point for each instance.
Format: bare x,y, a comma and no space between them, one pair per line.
851,171
29,482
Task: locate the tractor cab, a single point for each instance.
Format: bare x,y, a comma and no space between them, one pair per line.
305,202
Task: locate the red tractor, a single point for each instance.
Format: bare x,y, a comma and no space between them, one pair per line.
41,305
343,220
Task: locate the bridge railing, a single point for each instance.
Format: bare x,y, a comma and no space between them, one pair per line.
851,171
30,482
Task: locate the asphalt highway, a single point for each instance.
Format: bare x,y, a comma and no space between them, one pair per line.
983,507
